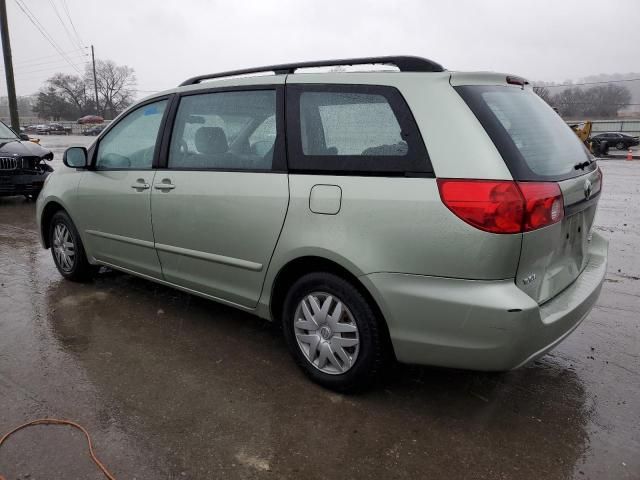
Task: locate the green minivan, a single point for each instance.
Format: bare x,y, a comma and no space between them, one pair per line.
403,212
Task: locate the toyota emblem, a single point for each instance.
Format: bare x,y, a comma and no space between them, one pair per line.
587,189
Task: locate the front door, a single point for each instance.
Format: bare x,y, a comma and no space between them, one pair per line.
115,195
219,206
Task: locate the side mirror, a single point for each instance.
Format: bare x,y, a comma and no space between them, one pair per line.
24,136
75,157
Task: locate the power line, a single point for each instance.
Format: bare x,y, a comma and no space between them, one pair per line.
66,9
35,74
58,60
47,69
73,40
34,20
35,59
587,83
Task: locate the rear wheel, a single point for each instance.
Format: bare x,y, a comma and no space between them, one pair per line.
333,332
621,146
67,249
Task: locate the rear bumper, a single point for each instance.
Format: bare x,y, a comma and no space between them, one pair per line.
481,325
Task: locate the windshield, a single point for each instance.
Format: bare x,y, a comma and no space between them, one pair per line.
6,133
531,137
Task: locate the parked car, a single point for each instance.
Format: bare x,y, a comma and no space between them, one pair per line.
621,141
365,223
90,119
94,131
58,129
28,129
23,165
42,129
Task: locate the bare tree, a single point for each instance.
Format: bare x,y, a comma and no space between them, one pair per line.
71,88
602,101
70,96
63,96
607,100
50,104
116,86
544,93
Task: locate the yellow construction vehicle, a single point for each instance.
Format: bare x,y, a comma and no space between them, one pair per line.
583,131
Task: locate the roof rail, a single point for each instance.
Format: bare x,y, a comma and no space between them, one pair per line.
404,63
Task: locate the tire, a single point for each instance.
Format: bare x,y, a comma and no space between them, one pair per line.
621,146
75,267
356,357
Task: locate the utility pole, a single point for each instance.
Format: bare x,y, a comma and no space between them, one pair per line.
8,67
95,81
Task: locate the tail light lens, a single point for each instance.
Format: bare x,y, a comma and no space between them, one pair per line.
503,206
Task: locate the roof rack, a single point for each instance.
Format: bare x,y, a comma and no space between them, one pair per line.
404,63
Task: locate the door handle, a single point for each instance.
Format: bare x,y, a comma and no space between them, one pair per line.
141,184
165,184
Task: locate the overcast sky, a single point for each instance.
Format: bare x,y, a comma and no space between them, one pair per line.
169,41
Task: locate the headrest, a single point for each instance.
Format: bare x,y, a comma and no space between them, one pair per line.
211,140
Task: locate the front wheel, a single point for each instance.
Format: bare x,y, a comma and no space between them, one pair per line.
621,146
67,248
333,332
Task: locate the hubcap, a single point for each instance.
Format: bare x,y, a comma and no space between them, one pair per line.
64,249
327,333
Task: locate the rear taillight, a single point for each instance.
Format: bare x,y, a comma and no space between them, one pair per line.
543,204
493,206
503,206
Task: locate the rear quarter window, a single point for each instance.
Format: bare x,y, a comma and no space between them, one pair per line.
358,129
533,140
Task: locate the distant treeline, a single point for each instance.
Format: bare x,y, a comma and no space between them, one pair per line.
600,101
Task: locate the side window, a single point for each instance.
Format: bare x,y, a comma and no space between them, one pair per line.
225,130
356,129
349,124
131,143
263,138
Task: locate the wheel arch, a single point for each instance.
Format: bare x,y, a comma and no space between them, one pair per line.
297,267
48,212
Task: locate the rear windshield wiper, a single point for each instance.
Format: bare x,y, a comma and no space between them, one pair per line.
583,165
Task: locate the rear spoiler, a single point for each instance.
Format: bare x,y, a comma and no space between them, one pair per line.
487,78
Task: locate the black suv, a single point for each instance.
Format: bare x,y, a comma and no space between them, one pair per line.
621,141
22,165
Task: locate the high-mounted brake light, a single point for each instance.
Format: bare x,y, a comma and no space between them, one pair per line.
513,80
503,206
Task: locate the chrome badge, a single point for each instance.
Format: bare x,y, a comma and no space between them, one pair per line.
587,189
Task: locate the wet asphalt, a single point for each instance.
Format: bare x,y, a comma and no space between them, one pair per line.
172,386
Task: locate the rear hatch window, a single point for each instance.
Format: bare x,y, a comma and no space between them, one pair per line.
534,141
538,146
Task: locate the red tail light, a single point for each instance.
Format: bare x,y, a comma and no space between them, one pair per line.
503,206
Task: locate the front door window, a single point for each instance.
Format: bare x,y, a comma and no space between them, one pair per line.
130,145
